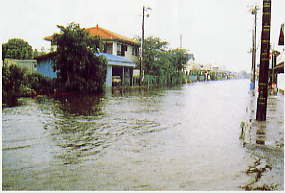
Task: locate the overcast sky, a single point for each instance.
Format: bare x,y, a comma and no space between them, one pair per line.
216,31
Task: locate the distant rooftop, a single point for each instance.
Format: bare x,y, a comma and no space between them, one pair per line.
104,34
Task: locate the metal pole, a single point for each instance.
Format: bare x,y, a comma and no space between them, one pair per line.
252,63
272,69
254,48
123,78
142,41
254,12
274,55
181,41
264,62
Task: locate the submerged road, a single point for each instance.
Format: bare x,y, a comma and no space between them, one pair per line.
182,138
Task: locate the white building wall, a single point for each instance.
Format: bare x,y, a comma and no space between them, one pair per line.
114,48
281,58
281,81
207,67
189,66
109,76
128,53
281,77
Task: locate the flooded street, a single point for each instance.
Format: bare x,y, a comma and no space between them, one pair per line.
182,138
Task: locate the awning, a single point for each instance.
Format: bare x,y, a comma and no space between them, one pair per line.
118,60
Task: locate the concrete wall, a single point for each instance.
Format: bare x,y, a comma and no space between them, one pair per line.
109,76
281,81
29,65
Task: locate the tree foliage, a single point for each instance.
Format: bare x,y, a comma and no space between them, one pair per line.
17,82
39,83
78,66
37,53
178,58
13,78
17,49
153,50
167,64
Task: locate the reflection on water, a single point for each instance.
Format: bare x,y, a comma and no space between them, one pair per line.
260,134
182,138
81,104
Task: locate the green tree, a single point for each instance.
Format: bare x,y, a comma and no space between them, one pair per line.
154,49
17,49
178,58
78,66
37,53
165,64
13,78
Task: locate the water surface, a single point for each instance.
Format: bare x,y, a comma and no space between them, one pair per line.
182,138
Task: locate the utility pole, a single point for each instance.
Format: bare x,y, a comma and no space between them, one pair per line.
253,12
273,63
264,62
275,53
180,41
142,43
141,53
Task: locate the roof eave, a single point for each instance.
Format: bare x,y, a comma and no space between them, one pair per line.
123,41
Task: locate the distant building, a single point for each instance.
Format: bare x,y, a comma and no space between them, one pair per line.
29,65
215,68
208,67
121,53
280,62
222,68
190,64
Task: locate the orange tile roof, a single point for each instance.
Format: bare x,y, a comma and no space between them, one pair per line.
104,34
49,38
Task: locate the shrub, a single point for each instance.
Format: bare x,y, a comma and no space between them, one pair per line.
13,78
40,83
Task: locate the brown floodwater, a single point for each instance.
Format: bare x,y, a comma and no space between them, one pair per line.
179,138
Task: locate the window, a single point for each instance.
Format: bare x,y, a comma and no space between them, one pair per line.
135,51
108,47
124,49
121,49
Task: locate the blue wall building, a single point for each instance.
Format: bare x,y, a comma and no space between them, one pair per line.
45,65
116,66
